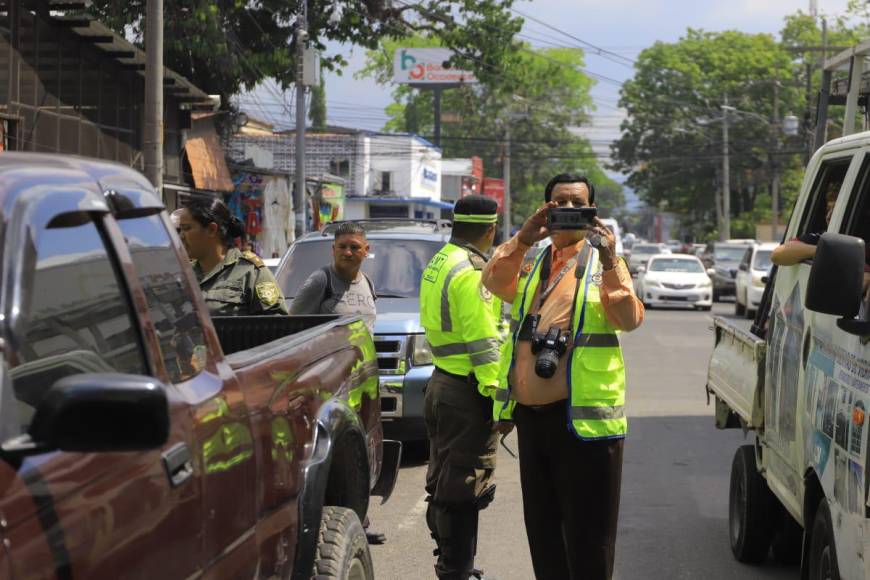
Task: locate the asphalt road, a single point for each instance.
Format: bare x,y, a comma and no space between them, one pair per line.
674,512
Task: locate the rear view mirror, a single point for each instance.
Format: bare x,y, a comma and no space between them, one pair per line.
100,412
711,272
743,267
836,279
641,269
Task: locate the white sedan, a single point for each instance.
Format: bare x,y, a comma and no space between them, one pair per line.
674,280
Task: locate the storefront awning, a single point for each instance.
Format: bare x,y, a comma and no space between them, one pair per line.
404,200
207,162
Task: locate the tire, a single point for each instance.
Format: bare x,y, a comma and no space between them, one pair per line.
342,548
749,509
787,539
823,553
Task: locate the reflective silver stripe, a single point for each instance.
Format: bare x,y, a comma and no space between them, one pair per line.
601,340
597,413
502,395
475,346
482,358
483,344
449,349
446,323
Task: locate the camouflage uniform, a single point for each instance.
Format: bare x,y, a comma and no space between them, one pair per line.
240,285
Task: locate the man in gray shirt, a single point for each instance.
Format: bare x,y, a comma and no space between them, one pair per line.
341,288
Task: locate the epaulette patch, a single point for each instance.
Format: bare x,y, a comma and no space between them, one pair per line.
476,261
253,258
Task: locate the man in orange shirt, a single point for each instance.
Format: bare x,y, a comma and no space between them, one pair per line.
571,422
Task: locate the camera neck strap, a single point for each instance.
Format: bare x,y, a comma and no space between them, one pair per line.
579,265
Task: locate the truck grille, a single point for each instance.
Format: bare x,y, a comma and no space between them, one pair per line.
678,286
392,354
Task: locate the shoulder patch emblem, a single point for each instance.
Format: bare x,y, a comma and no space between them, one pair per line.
268,293
476,261
253,258
485,294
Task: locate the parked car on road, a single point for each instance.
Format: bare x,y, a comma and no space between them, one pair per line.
752,273
142,438
400,251
674,280
641,252
724,258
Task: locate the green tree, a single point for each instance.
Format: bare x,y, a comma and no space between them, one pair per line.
672,141
223,46
317,110
544,97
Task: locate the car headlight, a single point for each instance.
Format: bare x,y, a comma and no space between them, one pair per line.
421,352
705,284
652,283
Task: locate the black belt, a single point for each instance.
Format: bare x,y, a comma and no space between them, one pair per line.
545,408
470,378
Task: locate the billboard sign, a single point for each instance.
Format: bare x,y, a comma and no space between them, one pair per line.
425,66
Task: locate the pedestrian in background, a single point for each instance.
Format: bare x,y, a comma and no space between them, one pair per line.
462,321
233,283
341,287
570,471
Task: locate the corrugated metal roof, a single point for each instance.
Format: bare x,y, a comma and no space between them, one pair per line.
127,54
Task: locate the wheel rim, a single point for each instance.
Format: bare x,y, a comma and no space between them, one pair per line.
825,567
357,570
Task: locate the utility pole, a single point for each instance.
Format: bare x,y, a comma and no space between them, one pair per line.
299,200
153,137
725,229
506,170
774,181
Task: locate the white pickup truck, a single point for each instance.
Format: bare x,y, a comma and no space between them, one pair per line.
800,381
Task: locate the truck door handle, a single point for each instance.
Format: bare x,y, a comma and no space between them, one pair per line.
176,461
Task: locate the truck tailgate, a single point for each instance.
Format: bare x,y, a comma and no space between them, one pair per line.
736,372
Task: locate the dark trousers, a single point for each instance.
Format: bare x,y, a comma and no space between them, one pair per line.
462,450
570,495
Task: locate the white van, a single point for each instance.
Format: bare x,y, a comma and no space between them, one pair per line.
801,381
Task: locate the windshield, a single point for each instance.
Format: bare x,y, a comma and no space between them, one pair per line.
762,260
675,265
729,253
646,249
395,266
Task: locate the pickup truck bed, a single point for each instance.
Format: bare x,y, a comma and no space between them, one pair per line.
736,375
240,333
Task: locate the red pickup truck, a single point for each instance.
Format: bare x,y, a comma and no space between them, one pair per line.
139,438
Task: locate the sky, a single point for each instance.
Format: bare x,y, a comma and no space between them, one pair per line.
624,27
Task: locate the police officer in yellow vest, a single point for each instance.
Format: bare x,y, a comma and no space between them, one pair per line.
463,323
563,382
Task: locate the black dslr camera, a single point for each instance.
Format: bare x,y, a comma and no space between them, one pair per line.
548,347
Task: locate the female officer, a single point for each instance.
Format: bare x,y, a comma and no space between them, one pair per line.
233,282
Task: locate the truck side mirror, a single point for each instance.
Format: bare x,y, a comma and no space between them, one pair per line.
92,412
836,279
743,267
711,272
641,269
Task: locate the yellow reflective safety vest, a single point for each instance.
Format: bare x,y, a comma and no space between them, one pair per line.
462,319
596,375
